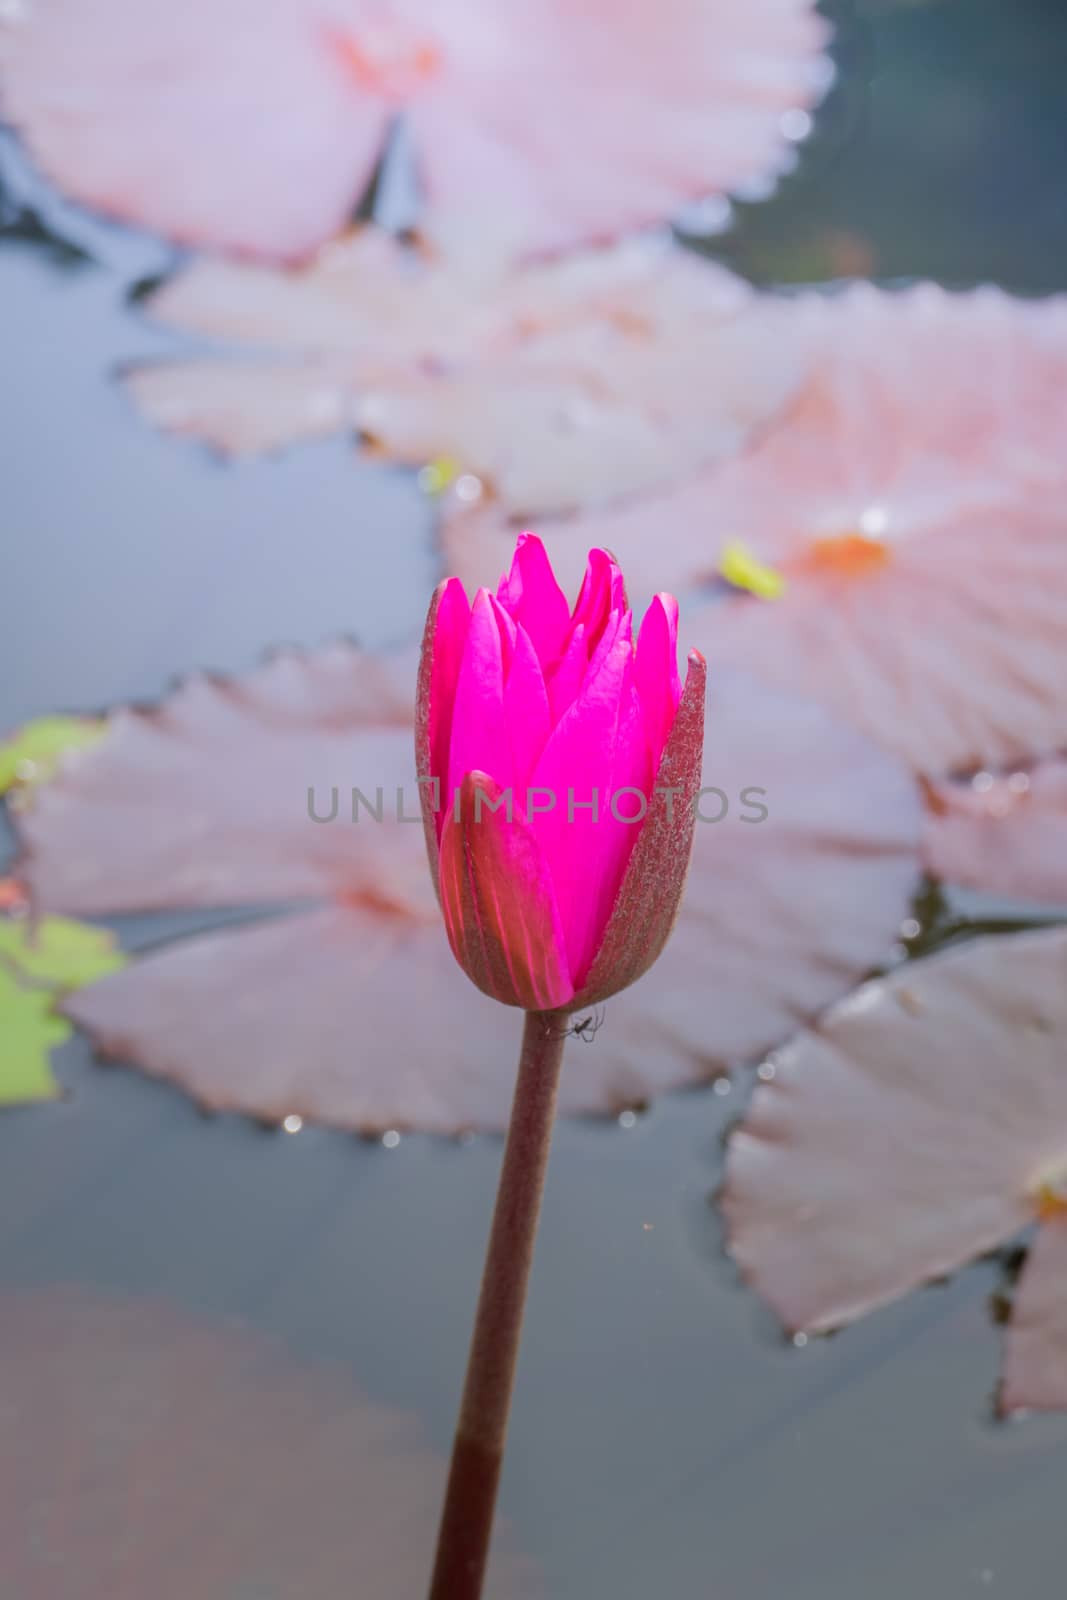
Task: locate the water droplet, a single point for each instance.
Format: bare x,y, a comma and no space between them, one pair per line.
721,1086
647,1227
874,521
390,1139
795,125
820,74
292,1123
468,488
757,188
766,1071
800,1340
1019,782
627,1119
910,929
982,782
25,770
706,217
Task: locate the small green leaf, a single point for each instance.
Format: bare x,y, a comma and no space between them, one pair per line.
29,1030
32,754
58,952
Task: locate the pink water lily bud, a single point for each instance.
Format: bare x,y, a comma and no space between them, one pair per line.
559,763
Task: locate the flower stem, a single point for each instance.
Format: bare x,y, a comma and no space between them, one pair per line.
467,1518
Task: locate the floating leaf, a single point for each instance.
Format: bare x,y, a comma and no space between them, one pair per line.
58,953
1034,1373
28,1031
917,516
914,513
536,126
305,1013
33,753
144,1432
38,961
921,1122
1005,834
559,384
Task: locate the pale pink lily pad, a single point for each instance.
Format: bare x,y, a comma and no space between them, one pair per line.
1034,1373
922,1122
536,126
561,384
1004,834
204,802
166,1455
912,499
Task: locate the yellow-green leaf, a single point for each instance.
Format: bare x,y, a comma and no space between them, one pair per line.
29,1030
58,951
32,754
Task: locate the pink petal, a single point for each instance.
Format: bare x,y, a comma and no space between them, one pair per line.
139,1424
531,595
443,648
596,748
1005,835
645,908
480,737
525,710
500,906
603,591
658,683
911,1130
567,679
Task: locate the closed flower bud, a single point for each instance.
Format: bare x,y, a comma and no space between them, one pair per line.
559,762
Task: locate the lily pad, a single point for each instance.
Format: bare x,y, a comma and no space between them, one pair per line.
549,386
922,1122
1002,833
904,521
33,753
310,1012
56,952
144,1431
534,127
29,1030
38,962
916,516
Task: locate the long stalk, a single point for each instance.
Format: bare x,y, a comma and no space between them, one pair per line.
467,1518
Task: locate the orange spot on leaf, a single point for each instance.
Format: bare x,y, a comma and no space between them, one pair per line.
1051,1202
388,62
853,555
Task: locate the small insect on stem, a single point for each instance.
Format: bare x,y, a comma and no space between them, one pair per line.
587,1028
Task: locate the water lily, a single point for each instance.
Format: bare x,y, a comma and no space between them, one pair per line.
559,762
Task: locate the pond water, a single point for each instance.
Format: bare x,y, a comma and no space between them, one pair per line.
665,1439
